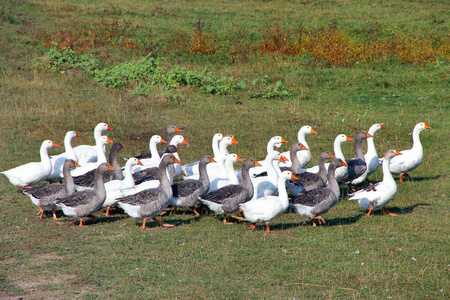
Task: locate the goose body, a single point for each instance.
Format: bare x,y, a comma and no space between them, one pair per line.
186,192
376,196
337,147
58,160
113,188
309,181
268,185
151,202
226,200
152,173
155,158
411,158
313,204
101,157
218,181
85,203
266,208
33,172
356,166
86,180
304,157
86,153
44,196
192,168
170,130
175,141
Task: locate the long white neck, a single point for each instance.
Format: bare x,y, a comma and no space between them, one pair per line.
231,174
98,132
215,147
371,147
271,168
68,147
338,149
282,192
101,157
44,156
223,148
128,176
270,146
301,136
387,176
276,166
154,150
417,145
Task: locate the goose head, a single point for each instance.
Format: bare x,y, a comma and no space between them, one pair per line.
178,139
375,127
277,141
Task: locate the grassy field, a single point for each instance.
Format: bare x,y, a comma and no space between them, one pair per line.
271,67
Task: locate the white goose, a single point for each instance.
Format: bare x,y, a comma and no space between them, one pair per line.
113,187
58,160
230,177
33,172
268,185
155,159
410,158
376,196
303,156
175,141
101,157
267,208
337,147
371,156
86,153
192,168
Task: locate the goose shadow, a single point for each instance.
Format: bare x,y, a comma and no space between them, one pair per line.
308,222
101,219
427,178
399,210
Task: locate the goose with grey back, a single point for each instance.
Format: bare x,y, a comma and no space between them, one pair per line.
186,192
411,158
58,160
31,173
101,157
356,166
86,153
313,204
267,208
85,203
86,180
309,181
337,147
378,195
44,196
151,202
192,168
226,200
304,156
296,165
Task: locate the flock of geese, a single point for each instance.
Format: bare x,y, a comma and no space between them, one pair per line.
258,192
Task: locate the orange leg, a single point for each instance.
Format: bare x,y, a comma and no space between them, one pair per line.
195,212
163,224
319,219
107,211
40,213
368,181
54,214
388,212
252,227
144,220
238,218
225,220
368,213
267,227
81,222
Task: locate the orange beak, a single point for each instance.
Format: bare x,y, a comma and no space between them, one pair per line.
213,160
369,135
178,129
397,153
109,128
234,140
382,126
344,163
111,167
76,134
293,176
185,142
239,159
108,140
304,148
77,164
163,141
349,138
283,140
139,163
54,145
427,127
313,131
332,155
257,164
176,160
284,159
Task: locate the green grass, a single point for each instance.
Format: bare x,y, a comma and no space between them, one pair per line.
352,256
